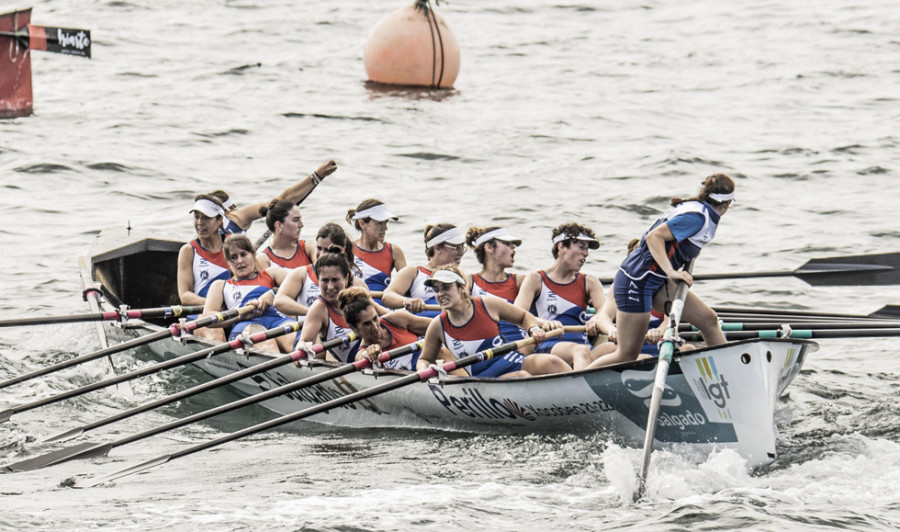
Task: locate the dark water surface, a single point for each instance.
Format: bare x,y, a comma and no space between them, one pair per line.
592,112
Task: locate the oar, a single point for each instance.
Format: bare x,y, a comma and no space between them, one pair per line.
92,295
855,270
172,363
812,325
91,450
659,384
86,450
316,177
376,294
227,379
805,334
174,311
391,384
173,330
887,312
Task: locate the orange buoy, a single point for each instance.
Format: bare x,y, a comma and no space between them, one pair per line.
412,46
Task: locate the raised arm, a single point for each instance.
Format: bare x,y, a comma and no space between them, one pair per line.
297,193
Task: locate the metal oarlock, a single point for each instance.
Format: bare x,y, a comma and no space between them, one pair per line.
180,337
438,366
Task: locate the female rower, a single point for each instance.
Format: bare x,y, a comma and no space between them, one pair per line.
468,325
301,288
201,261
562,293
324,320
375,257
238,219
444,244
248,285
495,249
381,333
648,277
286,249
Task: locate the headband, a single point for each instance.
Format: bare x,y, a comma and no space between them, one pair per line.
450,236
721,198
208,208
592,242
378,213
499,234
444,276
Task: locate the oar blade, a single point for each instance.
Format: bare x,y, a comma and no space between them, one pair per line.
6,414
65,436
91,482
80,451
856,270
887,312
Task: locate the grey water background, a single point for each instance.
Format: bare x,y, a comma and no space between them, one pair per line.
596,112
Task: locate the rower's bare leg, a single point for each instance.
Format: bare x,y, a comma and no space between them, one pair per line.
698,314
632,328
209,333
544,364
268,345
286,342
576,355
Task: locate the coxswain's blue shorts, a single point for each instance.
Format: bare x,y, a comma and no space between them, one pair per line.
636,295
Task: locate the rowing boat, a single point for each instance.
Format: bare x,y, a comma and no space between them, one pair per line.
723,397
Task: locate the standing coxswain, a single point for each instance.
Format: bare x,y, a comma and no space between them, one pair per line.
649,276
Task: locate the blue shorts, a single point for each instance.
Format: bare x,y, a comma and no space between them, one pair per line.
650,349
267,320
573,337
511,332
636,295
496,367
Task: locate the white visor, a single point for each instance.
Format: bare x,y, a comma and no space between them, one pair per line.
379,213
721,198
451,236
228,204
444,276
592,242
207,208
499,234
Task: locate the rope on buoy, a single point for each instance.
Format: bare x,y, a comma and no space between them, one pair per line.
425,5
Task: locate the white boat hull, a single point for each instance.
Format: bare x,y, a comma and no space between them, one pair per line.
721,397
